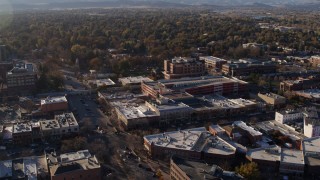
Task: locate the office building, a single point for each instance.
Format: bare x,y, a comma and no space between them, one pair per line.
180,67
21,78
299,84
212,63
244,69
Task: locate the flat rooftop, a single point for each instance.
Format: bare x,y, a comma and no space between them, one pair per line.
133,110
197,139
120,95
20,128
212,59
193,81
282,128
74,156
243,102
183,139
311,145
247,128
171,106
66,120
52,100
292,156
74,161
271,153
272,95
184,60
134,80
49,124
102,82
313,93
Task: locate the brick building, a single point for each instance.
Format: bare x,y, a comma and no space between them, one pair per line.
240,69
74,165
51,104
196,86
180,67
181,169
22,134
194,143
212,63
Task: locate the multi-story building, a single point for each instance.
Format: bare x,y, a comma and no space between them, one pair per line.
288,116
274,159
195,86
135,115
268,159
300,84
292,163
34,167
272,99
212,63
271,127
311,126
74,165
62,125
21,78
53,104
170,111
134,81
180,67
195,143
50,129
311,152
36,132
182,169
22,134
248,131
240,69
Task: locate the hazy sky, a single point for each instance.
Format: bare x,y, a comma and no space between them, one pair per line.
188,1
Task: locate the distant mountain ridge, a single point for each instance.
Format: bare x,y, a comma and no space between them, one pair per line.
45,4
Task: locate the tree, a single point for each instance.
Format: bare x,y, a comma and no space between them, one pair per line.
249,171
95,63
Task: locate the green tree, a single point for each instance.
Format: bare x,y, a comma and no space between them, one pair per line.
249,171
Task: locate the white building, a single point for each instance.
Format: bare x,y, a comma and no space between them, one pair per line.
288,116
311,127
